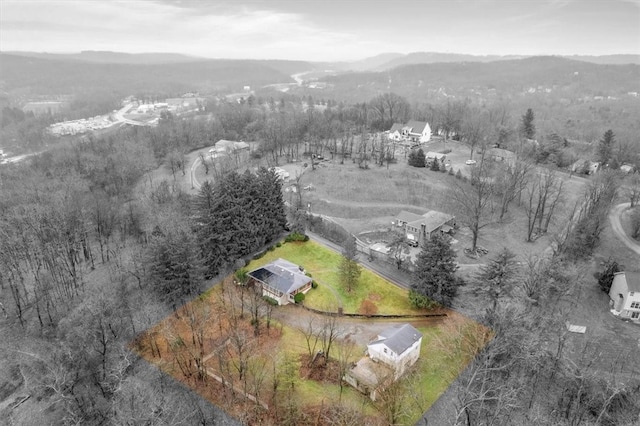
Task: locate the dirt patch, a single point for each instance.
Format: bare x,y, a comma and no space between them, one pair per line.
321,370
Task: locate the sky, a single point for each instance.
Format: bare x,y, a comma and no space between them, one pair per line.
322,30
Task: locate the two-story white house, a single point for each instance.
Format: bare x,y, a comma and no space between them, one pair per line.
625,295
398,347
389,356
414,131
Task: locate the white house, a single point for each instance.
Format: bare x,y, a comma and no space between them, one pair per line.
625,295
395,133
389,356
414,131
397,347
280,280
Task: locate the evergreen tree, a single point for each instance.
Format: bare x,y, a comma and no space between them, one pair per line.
435,271
528,127
175,266
605,147
497,277
237,216
349,271
605,277
416,158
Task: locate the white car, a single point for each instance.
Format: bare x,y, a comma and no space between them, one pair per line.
470,162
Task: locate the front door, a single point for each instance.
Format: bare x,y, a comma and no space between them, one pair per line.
635,315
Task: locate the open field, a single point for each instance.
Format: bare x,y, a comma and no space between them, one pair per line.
210,337
365,200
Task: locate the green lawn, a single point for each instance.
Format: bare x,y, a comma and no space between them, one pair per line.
322,264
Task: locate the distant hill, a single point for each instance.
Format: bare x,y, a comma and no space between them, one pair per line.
371,63
43,76
434,57
563,77
106,57
388,61
608,59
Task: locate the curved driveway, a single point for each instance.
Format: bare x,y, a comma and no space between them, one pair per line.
616,226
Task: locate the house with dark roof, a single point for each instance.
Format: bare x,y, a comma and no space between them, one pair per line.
280,280
625,295
388,358
419,228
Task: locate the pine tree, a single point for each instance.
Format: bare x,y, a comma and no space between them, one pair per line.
528,127
497,277
175,268
435,271
416,158
605,147
349,270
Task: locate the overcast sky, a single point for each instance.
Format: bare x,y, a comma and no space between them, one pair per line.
322,29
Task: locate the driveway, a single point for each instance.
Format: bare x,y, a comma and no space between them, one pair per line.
616,226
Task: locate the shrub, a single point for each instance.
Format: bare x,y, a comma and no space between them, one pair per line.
444,151
314,284
279,244
451,171
458,174
298,298
296,236
270,300
271,248
417,300
258,255
435,166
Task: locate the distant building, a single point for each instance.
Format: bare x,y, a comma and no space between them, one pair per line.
413,131
184,103
225,147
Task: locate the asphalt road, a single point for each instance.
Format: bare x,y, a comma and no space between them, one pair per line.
616,226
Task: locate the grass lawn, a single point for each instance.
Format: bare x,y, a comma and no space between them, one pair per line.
322,264
448,345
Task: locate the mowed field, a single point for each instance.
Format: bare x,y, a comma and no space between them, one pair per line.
366,200
213,329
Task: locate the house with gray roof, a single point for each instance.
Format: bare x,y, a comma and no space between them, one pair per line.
280,280
398,347
388,358
419,228
625,295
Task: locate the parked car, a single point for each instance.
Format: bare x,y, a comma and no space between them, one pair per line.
470,162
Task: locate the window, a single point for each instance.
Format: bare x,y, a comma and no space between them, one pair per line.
635,305
635,315
385,350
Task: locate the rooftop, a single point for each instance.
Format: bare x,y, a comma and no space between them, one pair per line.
399,338
281,275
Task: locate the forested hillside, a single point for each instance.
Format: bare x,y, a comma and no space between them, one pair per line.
25,75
